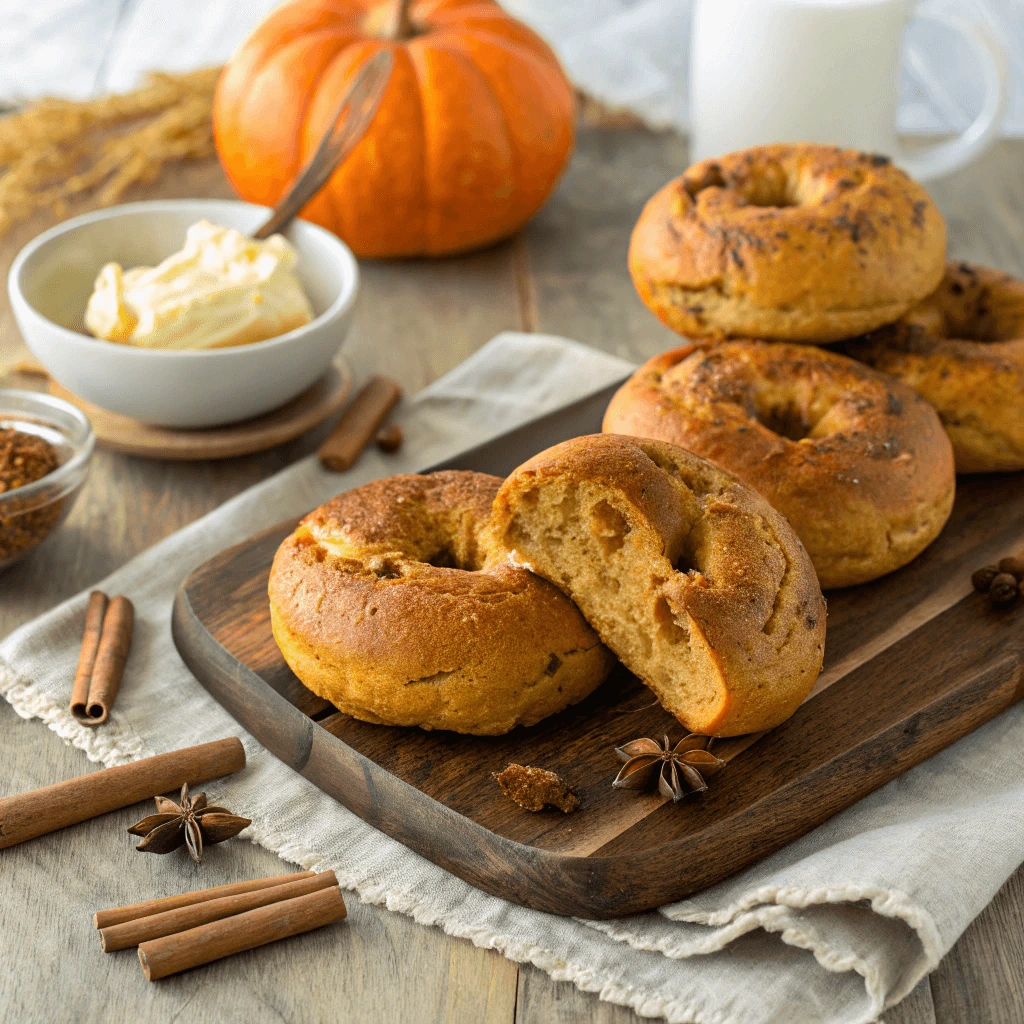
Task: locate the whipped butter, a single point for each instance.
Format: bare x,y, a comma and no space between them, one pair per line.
222,289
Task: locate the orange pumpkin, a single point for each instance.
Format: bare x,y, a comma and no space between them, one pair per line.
473,131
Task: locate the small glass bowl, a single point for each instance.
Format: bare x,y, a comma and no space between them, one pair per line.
29,514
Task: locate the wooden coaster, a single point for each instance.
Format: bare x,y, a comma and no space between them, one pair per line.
302,413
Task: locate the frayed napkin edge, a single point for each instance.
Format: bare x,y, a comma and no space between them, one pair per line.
115,744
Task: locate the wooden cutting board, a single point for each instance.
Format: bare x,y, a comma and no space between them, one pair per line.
913,662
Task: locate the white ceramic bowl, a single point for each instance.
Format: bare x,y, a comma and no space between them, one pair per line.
52,278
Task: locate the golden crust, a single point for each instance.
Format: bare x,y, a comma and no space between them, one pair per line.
962,349
390,602
698,585
857,463
800,243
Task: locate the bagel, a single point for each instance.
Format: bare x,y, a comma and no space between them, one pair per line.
391,602
857,463
962,349
788,243
697,584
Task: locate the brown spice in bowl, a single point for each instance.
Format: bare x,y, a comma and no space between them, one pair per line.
24,459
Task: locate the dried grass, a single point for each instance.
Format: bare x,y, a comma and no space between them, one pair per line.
58,149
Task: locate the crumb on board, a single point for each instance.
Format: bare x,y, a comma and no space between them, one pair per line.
533,789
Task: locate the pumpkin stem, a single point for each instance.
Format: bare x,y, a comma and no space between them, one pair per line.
402,26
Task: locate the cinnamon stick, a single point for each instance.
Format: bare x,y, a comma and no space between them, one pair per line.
155,926
27,815
107,672
208,942
94,613
119,915
358,423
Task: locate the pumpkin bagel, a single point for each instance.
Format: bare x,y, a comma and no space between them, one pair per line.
391,602
858,463
802,243
962,349
693,579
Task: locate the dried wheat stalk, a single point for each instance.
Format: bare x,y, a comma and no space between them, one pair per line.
58,149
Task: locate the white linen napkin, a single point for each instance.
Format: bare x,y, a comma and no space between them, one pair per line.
834,927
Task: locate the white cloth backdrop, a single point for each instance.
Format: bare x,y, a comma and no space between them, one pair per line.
630,53
829,930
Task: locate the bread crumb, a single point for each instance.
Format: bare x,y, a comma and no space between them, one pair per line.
533,789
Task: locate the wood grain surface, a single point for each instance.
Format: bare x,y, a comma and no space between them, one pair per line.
415,321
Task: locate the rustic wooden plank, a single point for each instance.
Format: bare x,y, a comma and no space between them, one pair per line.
981,979
543,1001
575,249
982,207
917,1008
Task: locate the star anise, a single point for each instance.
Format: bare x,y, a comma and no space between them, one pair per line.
679,770
189,823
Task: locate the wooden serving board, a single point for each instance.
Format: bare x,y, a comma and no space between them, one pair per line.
913,662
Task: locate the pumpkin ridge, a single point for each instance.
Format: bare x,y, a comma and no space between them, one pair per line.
413,49
490,22
364,49
304,99
275,48
438,42
310,98
513,47
443,7
546,81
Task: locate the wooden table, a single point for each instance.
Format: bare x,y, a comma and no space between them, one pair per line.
565,274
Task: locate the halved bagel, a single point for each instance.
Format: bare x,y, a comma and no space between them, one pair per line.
697,584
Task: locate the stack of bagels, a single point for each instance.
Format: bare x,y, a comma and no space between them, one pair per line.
760,259
736,475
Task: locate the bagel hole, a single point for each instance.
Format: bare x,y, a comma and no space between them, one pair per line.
770,186
785,420
609,527
710,177
767,195
979,323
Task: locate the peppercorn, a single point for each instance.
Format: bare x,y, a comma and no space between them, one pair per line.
1004,590
983,577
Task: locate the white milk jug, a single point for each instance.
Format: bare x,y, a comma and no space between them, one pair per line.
765,71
